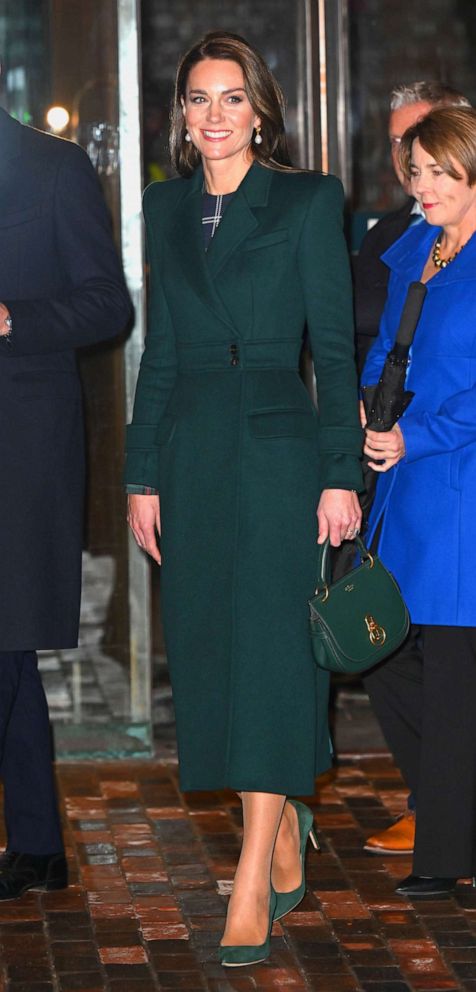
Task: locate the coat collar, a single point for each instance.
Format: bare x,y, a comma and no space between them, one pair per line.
408,255
186,237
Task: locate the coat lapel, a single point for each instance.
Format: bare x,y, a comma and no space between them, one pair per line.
409,254
186,240
240,219
186,237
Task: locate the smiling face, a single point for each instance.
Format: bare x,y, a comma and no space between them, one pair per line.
218,114
445,201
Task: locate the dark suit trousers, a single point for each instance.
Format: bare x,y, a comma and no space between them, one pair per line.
30,805
425,699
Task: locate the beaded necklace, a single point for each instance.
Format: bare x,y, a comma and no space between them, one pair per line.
441,263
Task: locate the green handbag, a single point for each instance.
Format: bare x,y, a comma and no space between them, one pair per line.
358,620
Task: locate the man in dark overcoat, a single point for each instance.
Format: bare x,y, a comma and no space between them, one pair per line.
61,287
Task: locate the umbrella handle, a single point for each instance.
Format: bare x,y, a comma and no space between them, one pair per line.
368,395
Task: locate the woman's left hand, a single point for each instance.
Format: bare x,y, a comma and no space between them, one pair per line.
387,447
339,516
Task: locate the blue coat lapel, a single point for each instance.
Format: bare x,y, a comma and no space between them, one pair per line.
408,255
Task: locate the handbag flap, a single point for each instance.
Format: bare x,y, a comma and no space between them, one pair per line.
363,610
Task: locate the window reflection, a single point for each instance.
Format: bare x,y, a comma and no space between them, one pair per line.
276,27
24,59
392,43
63,54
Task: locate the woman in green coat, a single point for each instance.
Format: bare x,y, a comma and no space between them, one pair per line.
228,460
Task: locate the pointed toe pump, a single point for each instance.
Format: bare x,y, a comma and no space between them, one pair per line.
232,956
287,901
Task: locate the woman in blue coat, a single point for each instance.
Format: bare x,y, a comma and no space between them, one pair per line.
424,513
245,252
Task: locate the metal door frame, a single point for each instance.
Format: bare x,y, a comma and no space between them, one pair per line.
133,259
328,88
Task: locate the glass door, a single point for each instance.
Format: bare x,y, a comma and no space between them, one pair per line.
391,44
283,31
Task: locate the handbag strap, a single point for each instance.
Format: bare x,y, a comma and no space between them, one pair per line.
324,563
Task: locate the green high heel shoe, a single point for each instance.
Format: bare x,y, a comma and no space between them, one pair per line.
286,901
232,956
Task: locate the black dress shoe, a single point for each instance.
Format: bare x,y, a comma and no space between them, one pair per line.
417,886
20,872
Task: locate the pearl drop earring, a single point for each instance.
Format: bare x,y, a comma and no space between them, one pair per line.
187,136
258,138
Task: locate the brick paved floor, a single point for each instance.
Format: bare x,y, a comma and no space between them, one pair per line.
149,869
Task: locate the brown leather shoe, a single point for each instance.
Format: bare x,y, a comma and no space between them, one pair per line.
397,839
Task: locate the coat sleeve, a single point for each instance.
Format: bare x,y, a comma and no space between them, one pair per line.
326,283
157,374
94,304
452,427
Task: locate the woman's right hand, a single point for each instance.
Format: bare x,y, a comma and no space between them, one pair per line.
362,414
143,517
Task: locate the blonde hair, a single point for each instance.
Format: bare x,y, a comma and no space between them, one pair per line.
449,135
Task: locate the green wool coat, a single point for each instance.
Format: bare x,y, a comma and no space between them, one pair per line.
224,428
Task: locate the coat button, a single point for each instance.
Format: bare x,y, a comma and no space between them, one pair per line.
235,355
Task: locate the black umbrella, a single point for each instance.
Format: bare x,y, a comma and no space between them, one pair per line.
385,402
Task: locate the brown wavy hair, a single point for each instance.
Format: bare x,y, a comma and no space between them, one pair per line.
449,135
263,92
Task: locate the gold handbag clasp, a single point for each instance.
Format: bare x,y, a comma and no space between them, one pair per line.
325,592
377,634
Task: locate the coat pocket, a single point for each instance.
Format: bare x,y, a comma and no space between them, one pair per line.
16,217
266,240
41,384
283,423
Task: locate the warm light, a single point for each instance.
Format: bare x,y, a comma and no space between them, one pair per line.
57,118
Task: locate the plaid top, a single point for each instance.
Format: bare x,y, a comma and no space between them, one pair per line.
213,208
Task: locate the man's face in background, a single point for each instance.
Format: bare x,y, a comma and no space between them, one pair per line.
398,123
